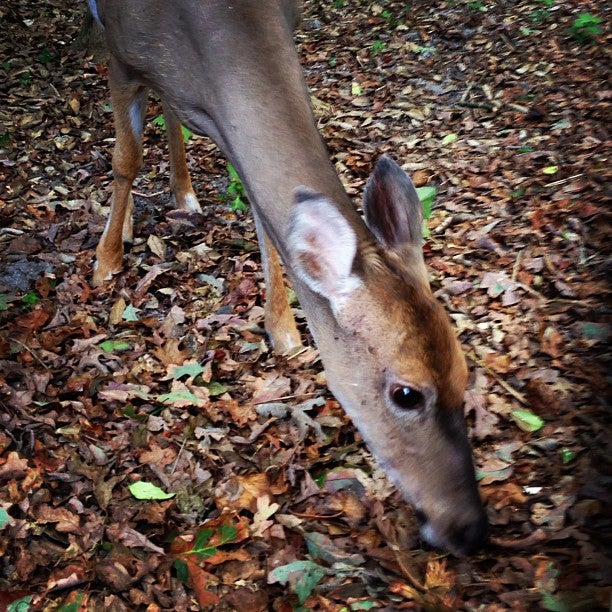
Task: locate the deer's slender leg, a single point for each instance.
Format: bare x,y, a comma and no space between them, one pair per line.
279,320
180,183
128,100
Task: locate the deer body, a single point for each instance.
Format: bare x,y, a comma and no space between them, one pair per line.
229,69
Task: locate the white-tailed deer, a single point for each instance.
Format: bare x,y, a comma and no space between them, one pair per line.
229,69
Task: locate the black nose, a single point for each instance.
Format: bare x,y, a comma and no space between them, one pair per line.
420,516
466,539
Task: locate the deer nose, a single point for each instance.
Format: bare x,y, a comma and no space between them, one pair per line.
460,538
467,539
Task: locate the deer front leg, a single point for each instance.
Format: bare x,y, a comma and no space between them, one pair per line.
279,320
128,102
182,192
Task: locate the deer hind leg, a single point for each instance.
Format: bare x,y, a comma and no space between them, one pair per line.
180,183
279,320
129,102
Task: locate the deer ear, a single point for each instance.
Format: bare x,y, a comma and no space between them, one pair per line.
392,207
322,247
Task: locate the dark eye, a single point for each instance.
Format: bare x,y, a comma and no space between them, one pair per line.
407,398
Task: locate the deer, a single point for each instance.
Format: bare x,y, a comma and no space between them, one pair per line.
229,69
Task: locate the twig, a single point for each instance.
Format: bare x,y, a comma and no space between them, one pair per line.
466,92
27,348
414,581
286,397
178,456
316,516
292,354
537,537
519,108
565,180
517,265
484,105
147,195
516,394
507,41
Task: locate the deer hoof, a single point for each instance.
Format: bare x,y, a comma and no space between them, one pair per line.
288,344
186,201
103,273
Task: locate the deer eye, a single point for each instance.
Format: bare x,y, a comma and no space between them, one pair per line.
407,398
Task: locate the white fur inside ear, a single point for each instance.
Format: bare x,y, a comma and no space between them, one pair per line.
323,246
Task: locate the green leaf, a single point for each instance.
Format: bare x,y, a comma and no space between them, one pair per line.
30,298
216,388
362,605
73,606
131,412
182,571
449,138
567,455
188,369
20,605
427,195
129,314
356,89
495,475
4,518
424,50
309,574
586,19
550,603
228,534
110,346
187,133
161,122
199,544
4,302
239,205
234,176
147,490
527,420
180,397
45,56
377,46
550,170
595,331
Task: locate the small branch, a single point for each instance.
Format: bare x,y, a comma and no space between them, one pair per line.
27,348
147,195
484,105
537,537
308,515
565,180
411,578
517,265
178,456
508,42
516,394
287,397
466,92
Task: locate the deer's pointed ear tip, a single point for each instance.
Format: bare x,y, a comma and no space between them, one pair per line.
386,165
303,194
385,161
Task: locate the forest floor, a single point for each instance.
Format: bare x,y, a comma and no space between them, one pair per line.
164,375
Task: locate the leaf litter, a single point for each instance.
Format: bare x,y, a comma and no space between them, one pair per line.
165,378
